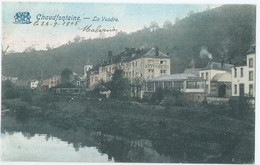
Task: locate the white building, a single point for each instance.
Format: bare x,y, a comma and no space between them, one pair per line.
244,77
191,85
86,69
34,84
138,64
211,70
187,83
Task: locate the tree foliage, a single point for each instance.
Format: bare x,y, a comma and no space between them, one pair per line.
119,85
9,91
66,75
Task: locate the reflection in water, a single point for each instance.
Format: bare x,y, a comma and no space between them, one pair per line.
24,147
39,141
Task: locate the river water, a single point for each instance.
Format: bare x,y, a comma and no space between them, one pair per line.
19,147
40,141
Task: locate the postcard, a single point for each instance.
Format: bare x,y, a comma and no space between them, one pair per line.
128,82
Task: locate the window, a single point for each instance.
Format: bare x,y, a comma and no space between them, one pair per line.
207,75
150,86
250,75
163,72
136,63
192,85
133,74
161,62
167,84
250,89
78,82
241,72
251,63
178,84
202,75
235,89
235,70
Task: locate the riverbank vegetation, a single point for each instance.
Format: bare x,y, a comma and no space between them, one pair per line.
202,133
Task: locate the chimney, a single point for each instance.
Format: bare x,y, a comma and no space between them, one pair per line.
157,51
110,53
222,64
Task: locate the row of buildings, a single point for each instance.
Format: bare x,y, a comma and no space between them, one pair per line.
152,67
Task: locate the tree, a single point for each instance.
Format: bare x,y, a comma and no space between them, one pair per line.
66,75
119,85
9,91
154,26
136,87
190,13
167,24
77,38
48,47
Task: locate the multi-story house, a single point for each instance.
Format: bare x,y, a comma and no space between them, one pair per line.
244,77
136,63
147,64
51,81
218,79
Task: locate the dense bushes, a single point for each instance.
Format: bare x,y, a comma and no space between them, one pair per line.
168,97
241,108
9,91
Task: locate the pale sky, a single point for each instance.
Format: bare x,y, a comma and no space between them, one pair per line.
132,17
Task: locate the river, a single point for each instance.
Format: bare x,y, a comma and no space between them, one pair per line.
19,147
40,141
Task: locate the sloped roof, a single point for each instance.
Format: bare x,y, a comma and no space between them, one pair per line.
176,77
222,77
192,71
217,66
251,49
132,54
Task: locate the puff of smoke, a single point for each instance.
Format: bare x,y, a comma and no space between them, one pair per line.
204,53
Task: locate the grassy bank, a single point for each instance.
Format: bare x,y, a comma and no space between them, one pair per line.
209,133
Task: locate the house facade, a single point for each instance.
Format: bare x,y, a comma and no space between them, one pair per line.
51,81
189,84
213,74
244,77
136,63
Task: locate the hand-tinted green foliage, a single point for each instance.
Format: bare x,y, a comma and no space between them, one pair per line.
65,85
226,31
9,91
119,85
241,108
169,97
100,87
66,75
26,95
181,132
